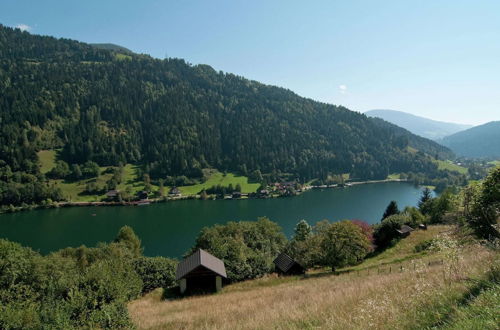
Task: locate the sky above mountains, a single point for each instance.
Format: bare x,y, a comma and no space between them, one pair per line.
437,59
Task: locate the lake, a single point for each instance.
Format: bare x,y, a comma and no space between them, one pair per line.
169,229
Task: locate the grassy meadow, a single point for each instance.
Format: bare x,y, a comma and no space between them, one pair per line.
448,165
426,289
216,178
74,190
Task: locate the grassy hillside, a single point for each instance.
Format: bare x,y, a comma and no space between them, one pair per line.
47,160
74,190
225,180
448,165
399,288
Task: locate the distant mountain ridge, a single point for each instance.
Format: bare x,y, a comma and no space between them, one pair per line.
428,128
478,141
113,47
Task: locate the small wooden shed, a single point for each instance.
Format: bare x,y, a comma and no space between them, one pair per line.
200,272
287,266
404,231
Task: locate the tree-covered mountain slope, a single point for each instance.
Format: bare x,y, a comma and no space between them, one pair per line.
428,128
174,118
478,141
113,47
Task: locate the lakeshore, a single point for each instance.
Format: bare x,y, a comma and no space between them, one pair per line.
169,229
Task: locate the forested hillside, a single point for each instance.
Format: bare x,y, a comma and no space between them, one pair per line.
173,118
479,141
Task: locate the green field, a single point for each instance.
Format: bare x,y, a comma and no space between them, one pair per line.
495,162
224,180
47,160
73,190
448,165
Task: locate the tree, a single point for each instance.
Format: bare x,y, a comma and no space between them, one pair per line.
247,248
302,231
426,195
391,209
147,182
60,170
90,169
161,187
385,232
157,272
344,244
486,209
127,237
76,172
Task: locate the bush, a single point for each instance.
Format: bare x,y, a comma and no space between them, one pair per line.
155,272
247,248
424,245
72,288
385,232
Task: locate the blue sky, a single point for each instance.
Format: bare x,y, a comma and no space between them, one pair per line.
438,59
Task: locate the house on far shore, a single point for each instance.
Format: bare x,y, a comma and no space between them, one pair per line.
112,195
404,231
174,191
143,194
285,265
200,272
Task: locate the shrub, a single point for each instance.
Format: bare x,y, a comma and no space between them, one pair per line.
424,245
385,232
157,272
247,248
343,243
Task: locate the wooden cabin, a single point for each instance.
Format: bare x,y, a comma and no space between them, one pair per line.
285,265
143,194
404,231
174,191
200,272
112,195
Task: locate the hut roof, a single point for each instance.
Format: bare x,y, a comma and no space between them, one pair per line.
405,229
112,193
284,262
200,258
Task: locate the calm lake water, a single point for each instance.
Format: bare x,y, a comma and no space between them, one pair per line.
169,229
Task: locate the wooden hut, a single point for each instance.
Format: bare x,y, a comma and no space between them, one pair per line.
174,191
404,231
285,265
200,272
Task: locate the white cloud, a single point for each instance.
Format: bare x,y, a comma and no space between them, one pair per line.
23,27
343,89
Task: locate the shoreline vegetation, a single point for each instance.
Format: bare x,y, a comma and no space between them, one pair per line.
164,199
431,266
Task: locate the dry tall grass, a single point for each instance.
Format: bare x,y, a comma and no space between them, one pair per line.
349,301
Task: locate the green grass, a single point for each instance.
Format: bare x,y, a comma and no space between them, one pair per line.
448,165
47,159
122,57
394,176
224,180
482,312
495,162
74,190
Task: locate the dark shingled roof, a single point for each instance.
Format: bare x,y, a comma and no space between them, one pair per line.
200,258
405,229
284,262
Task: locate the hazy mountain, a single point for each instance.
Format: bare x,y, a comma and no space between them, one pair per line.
428,128
478,141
